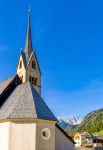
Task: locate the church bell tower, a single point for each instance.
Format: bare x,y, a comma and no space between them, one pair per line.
28,67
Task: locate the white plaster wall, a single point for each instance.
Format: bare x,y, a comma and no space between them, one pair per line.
42,144
4,135
62,142
27,136
22,136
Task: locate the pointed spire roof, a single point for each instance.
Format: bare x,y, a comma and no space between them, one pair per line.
28,44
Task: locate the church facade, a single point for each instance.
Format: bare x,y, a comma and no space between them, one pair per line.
26,122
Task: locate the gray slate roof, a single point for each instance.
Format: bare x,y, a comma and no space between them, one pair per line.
5,83
25,102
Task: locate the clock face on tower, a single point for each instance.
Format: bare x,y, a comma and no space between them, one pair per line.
45,134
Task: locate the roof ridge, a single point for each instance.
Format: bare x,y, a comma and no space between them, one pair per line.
5,83
31,55
29,59
41,101
8,78
32,97
14,103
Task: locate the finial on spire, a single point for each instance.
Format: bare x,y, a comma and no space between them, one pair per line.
29,6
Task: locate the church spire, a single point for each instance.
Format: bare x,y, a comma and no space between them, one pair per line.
28,68
28,44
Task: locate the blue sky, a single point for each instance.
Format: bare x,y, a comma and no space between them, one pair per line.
68,39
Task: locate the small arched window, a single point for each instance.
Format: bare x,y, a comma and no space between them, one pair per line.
20,64
33,80
33,65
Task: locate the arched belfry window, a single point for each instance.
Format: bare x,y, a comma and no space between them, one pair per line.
20,64
30,79
35,82
33,65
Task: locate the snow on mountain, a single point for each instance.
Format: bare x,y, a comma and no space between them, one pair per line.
72,120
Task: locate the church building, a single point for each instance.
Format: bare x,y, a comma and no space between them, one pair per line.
26,122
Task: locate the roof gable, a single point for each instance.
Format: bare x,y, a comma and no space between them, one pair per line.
30,58
22,55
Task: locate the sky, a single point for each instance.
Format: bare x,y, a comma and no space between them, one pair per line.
68,39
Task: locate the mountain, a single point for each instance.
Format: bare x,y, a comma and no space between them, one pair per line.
63,124
69,123
92,123
72,120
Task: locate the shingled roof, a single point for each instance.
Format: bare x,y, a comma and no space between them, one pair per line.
5,83
25,102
